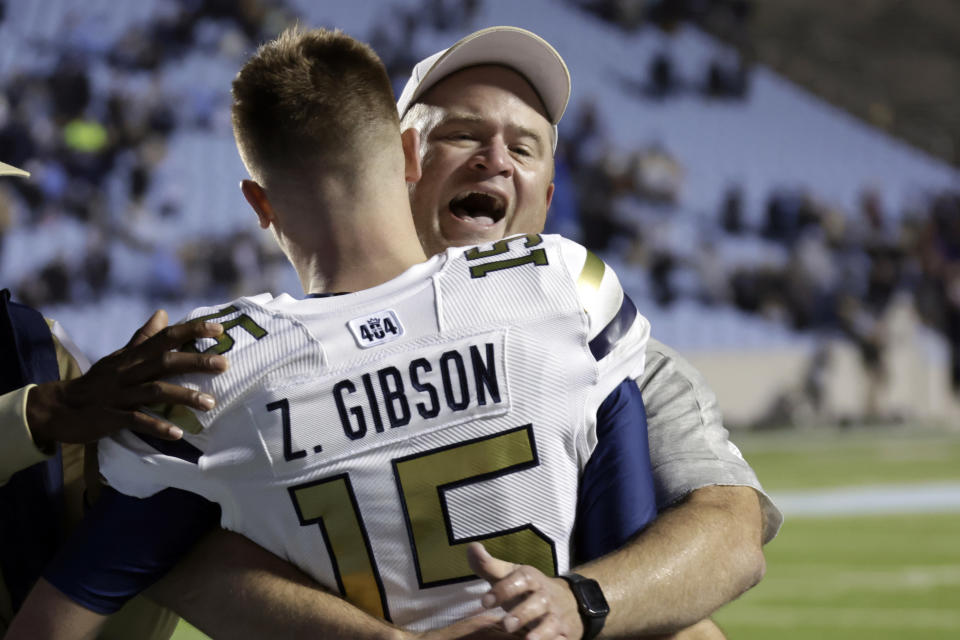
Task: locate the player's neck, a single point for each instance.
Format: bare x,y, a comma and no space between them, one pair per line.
348,233
355,272
372,248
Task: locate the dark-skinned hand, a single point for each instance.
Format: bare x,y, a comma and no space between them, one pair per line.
107,398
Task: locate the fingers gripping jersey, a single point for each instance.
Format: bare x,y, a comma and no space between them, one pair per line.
368,437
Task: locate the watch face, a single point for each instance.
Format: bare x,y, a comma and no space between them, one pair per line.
592,598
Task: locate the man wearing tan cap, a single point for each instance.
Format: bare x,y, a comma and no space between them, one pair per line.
484,178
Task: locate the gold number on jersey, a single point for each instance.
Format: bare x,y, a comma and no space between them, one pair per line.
225,340
537,257
424,480
332,506
180,415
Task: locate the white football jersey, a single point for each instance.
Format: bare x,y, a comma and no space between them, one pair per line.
368,437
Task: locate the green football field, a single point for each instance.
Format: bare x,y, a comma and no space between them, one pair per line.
849,577
855,577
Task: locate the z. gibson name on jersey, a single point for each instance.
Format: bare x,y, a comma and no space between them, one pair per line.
455,382
449,385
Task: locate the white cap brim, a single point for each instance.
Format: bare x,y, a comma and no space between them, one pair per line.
526,52
10,170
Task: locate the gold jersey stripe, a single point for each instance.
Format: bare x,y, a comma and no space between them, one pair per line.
588,284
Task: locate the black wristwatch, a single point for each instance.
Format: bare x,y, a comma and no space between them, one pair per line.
592,605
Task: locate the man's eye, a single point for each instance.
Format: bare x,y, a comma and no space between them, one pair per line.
521,151
461,136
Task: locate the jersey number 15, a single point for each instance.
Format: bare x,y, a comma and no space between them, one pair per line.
422,480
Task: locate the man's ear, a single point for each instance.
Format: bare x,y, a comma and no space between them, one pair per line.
411,154
549,195
257,199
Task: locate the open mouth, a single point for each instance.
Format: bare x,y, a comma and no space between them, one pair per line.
481,208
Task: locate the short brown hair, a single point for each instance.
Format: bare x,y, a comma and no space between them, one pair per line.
308,96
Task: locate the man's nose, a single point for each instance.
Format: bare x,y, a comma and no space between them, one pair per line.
494,159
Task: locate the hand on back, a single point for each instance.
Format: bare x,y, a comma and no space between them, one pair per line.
109,396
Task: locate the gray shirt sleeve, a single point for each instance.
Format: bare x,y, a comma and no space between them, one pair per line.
689,447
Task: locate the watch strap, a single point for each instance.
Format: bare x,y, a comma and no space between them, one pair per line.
591,603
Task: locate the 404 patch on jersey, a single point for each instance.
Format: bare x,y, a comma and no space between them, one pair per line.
373,329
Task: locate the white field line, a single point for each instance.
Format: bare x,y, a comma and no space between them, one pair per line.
900,580
941,497
800,617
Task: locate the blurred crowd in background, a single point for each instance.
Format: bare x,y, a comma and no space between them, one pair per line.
94,157
829,270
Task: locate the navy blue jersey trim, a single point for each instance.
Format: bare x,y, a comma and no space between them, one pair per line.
125,544
617,497
28,348
31,502
607,339
174,448
327,295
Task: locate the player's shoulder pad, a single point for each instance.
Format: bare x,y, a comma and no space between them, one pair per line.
598,287
246,322
215,312
610,311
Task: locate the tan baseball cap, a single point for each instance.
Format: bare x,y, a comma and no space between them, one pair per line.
519,49
10,170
